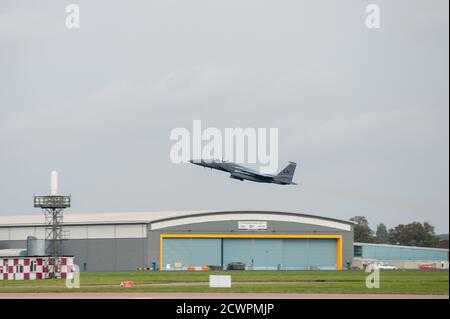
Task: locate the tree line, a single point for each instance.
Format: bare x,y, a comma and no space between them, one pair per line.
412,234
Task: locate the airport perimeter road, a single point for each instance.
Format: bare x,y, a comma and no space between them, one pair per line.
210,296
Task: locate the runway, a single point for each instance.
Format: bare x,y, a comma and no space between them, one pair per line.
146,295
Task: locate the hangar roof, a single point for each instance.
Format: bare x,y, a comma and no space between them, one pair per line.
170,217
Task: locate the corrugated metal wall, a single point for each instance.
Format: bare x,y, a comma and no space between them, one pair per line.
118,247
402,253
78,231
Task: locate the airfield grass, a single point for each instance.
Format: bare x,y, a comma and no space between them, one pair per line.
392,282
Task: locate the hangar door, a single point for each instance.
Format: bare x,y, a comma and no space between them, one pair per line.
192,251
286,253
256,253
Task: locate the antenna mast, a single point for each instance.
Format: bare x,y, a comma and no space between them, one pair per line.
53,206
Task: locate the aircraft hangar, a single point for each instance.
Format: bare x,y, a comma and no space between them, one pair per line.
262,240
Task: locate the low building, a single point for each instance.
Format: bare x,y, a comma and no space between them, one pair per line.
32,268
405,257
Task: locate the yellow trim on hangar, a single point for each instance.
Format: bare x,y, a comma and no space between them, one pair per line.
309,236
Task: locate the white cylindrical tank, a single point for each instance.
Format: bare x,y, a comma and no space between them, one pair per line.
54,183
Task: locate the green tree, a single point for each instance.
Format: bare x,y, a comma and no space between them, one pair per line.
362,231
414,234
382,234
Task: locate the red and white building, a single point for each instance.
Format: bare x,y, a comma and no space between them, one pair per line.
32,268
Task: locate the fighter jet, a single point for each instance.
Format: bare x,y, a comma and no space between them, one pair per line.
284,177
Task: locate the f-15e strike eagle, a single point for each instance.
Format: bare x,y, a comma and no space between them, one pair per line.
240,173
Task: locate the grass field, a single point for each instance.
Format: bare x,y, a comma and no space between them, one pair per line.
392,282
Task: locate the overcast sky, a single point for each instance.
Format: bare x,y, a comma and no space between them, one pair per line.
364,112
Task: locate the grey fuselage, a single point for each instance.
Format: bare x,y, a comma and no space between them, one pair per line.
241,173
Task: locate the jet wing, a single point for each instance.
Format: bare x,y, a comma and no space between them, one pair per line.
251,174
